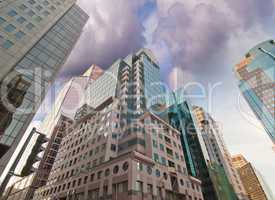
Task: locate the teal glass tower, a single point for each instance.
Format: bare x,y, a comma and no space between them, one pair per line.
256,75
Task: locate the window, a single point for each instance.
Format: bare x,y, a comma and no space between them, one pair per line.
31,13
45,3
123,187
171,164
113,147
99,174
139,186
12,13
107,172
157,173
150,188
46,13
79,181
2,20
7,44
169,151
115,169
163,160
92,177
31,2
125,166
156,157
105,190
85,179
19,35
10,28
23,7
167,139
160,136
39,7
38,18
161,146
139,166
52,8
149,170
155,144
30,26
177,155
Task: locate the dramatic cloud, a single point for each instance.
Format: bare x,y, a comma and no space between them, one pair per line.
193,37
198,33
113,31
250,12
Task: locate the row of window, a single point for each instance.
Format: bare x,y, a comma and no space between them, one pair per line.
97,175
92,194
6,44
157,173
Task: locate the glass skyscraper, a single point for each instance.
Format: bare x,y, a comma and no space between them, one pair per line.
36,37
117,148
256,74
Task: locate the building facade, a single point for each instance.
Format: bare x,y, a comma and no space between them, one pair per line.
256,74
117,149
217,150
68,100
249,178
179,115
36,37
24,188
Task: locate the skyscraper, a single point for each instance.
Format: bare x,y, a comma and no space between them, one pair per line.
249,178
256,74
36,37
117,148
216,148
69,98
178,113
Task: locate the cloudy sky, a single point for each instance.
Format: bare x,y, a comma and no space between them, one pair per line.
195,41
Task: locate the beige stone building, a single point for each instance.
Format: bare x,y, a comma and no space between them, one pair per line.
249,178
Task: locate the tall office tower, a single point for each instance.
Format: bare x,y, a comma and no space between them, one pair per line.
94,72
249,178
179,115
24,188
36,37
117,149
69,99
256,74
216,148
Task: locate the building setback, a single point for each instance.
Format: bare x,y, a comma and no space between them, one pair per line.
179,115
249,178
256,75
117,148
36,38
217,150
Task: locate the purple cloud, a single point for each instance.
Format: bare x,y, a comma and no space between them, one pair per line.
113,31
198,34
193,38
